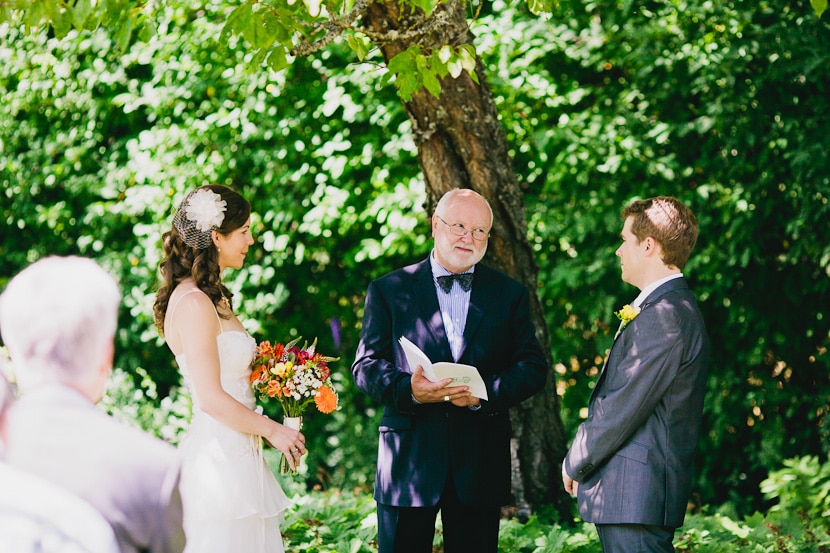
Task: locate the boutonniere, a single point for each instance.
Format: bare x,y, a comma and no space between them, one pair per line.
627,314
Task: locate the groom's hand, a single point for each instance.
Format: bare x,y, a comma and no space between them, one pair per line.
426,391
571,486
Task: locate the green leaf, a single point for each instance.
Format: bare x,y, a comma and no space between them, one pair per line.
124,33
360,45
259,31
445,53
238,20
455,67
819,6
313,7
467,56
537,7
431,83
81,11
277,58
274,30
427,5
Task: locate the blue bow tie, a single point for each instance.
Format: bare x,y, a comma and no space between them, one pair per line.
464,279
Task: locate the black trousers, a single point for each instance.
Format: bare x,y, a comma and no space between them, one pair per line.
467,528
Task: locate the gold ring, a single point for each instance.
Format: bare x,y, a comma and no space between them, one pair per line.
446,398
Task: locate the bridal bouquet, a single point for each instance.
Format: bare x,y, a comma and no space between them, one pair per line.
295,377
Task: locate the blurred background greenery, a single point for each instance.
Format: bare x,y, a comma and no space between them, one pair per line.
722,104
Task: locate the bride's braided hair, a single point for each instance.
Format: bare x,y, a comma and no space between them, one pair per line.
182,261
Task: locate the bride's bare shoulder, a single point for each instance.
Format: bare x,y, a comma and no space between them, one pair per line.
189,302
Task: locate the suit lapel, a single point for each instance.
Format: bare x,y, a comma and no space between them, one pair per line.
673,284
480,296
430,311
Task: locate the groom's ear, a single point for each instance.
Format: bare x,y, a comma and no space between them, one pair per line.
653,249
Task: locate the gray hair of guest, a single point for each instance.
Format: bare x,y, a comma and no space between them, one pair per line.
58,319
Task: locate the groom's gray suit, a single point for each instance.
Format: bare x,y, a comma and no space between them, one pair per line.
633,455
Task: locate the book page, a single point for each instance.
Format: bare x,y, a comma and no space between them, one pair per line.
462,375
415,357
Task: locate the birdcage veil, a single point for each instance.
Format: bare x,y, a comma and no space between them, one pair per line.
201,212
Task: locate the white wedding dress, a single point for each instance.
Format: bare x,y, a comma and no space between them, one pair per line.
232,502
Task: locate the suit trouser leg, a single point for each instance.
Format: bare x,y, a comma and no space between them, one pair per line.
467,529
635,538
405,529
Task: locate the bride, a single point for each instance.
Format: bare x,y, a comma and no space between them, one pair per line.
232,502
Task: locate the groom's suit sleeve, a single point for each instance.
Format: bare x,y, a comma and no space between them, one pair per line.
636,378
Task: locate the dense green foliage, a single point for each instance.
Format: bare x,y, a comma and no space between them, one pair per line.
721,104
344,522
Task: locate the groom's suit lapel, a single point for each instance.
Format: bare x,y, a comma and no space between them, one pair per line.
673,284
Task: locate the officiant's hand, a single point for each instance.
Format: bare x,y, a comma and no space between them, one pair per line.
426,391
466,401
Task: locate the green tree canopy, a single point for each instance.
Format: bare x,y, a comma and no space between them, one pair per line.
722,105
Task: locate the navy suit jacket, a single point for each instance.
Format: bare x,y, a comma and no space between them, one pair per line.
421,446
633,455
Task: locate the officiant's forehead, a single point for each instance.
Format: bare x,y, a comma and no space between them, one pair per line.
466,207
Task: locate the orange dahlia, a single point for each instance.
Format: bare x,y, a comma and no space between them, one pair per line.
325,400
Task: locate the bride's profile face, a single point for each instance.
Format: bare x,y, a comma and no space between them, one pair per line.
233,247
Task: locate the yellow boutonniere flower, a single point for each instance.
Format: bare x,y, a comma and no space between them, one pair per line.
627,314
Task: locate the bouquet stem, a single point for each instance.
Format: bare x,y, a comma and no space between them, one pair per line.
296,423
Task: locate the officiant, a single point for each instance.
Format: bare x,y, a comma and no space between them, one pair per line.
442,449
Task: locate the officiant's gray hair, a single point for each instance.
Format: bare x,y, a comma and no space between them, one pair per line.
58,318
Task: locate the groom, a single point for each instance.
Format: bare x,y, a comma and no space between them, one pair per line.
630,464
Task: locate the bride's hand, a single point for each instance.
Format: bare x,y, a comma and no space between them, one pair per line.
289,442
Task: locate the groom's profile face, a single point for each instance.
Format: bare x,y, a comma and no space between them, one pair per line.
631,253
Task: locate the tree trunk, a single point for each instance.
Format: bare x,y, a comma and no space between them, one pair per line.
461,144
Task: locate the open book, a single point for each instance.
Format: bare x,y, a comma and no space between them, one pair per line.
462,375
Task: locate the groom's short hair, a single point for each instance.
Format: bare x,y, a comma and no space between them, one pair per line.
669,222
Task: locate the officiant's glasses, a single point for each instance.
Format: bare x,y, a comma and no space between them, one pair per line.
460,230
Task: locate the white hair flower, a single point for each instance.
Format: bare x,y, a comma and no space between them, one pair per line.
206,209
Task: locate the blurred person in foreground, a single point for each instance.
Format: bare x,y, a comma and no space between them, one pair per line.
442,449
39,517
58,319
630,464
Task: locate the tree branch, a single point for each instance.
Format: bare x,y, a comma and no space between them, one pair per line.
335,27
